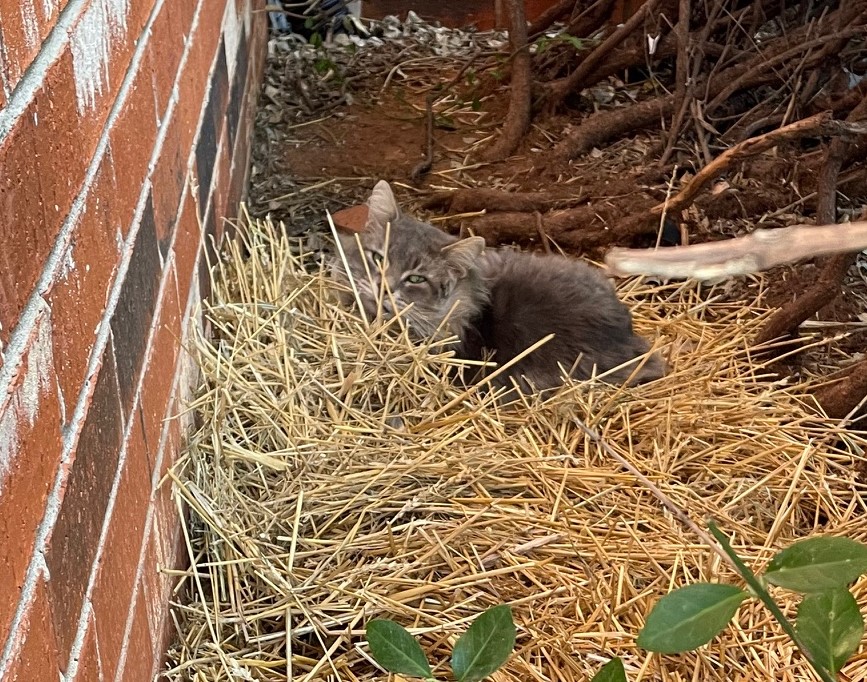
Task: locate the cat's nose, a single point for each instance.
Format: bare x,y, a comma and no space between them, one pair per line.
387,308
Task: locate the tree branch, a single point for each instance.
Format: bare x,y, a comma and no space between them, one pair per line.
755,252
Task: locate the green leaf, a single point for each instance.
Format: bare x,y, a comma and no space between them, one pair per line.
577,43
485,646
830,626
611,672
689,617
818,564
396,650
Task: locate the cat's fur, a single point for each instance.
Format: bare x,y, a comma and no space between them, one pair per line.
500,301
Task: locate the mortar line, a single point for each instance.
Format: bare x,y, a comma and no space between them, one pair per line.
33,77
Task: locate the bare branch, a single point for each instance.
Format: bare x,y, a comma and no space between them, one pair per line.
518,117
761,250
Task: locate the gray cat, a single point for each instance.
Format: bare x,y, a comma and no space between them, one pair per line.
496,302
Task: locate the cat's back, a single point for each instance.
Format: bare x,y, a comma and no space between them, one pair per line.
551,283
532,296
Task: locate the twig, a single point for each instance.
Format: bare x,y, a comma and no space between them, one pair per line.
550,15
842,397
760,250
830,280
423,168
762,63
683,91
517,121
820,124
558,90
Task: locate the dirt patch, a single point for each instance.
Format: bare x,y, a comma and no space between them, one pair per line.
363,118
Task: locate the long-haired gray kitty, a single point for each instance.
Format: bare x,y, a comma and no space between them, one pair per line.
497,302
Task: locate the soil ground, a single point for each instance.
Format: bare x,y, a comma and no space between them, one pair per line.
306,162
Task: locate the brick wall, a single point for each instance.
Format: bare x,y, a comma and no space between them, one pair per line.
124,138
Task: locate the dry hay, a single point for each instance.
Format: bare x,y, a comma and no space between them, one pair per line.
337,477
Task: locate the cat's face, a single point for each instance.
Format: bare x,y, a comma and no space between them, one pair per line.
399,263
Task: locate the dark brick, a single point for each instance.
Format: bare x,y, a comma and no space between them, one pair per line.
168,181
204,276
206,152
131,323
212,125
76,534
238,89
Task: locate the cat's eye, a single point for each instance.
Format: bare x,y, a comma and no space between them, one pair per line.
416,279
376,257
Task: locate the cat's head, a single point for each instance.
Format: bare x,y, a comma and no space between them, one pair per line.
400,262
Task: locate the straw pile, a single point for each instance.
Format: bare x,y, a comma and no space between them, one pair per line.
337,476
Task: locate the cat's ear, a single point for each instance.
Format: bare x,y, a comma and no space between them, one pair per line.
463,254
382,207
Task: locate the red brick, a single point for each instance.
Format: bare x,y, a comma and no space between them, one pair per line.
121,36
24,26
132,139
187,240
157,585
157,383
165,510
37,657
155,589
89,665
21,208
112,592
139,12
31,440
195,75
168,181
78,297
167,34
63,143
191,92
352,219
141,658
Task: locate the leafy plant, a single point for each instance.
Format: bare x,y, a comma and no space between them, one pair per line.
611,672
546,42
481,650
828,627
